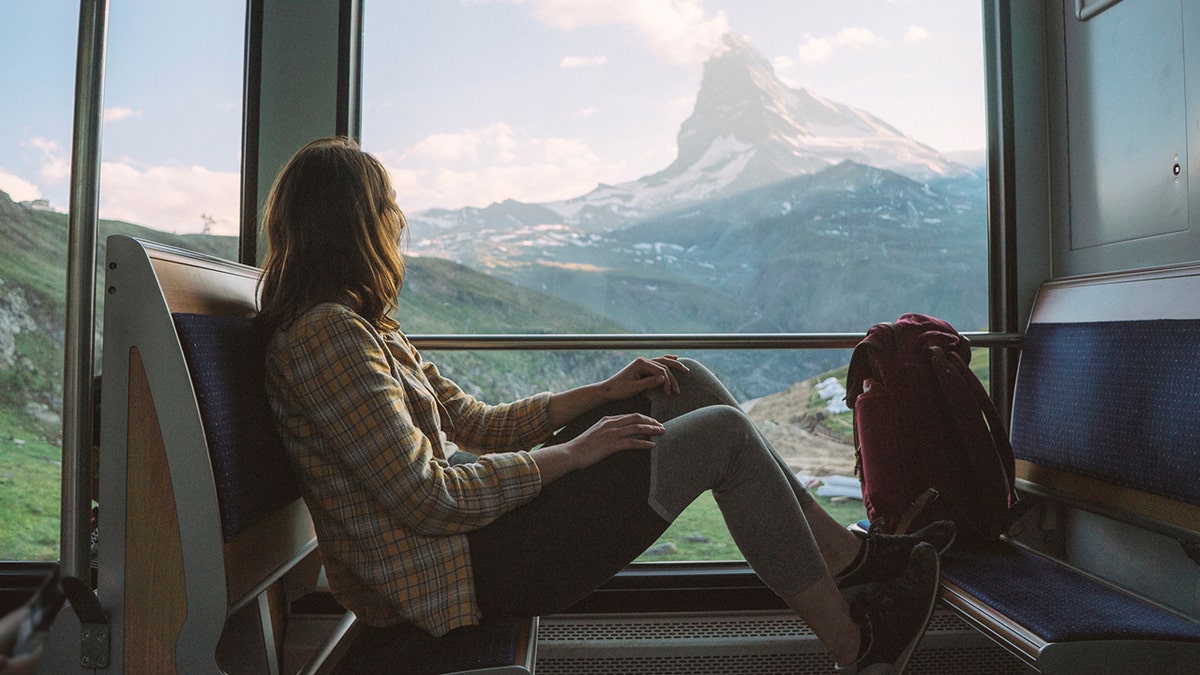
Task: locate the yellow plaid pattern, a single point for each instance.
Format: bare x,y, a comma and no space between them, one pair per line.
361,414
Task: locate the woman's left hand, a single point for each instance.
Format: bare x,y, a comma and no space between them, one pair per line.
639,376
643,374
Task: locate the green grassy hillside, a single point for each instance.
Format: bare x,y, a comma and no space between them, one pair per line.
440,297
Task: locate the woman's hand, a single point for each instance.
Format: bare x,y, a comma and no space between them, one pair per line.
639,376
643,374
633,431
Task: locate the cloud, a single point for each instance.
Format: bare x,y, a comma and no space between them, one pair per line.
19,189
170,198
567,151
117,114
56,162
915,34
448,147
582,61
494,142
479,166
678,107
783,66
820,49
679,31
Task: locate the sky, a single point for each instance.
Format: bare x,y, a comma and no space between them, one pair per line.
467,102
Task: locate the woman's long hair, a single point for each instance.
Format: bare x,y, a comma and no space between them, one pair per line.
333,231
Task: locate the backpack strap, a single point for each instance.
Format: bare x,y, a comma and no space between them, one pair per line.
910,514
980,395
858,372
860,367
860,359
959,390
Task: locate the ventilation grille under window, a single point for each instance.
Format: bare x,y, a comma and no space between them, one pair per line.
758,643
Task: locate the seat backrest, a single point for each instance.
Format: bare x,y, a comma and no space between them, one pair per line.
200,512
225,358
1107,392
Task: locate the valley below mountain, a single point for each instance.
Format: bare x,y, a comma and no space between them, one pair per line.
784,212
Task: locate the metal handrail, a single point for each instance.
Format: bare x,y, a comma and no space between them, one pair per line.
721,341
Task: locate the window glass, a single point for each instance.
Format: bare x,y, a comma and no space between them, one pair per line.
170,162
694,166
171,159
807,423
691,166
37,48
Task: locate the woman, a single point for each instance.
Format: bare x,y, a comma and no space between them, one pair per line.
410,531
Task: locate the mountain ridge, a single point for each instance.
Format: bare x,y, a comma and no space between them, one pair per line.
747,129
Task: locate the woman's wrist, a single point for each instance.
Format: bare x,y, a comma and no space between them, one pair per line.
566,406
553,462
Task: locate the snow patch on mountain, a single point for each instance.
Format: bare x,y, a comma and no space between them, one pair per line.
747,130
725,159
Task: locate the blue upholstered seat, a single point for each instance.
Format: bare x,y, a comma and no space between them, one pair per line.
254,478
1115,400
250,466
1056,603
1097,403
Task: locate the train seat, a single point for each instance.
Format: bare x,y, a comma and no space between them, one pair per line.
204,524
1104,423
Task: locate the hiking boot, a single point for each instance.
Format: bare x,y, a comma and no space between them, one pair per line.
885,555
893,616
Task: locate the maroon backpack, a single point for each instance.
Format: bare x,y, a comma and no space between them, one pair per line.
929,444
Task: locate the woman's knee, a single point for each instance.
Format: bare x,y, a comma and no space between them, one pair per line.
697,373
710,433
698,388
731,416
709,448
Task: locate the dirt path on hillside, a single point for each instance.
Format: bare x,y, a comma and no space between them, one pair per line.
780,418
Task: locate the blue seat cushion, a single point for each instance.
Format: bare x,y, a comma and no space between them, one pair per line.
1115,400
1055,602
227,362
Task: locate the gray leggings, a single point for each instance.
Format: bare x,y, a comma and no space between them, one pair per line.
583,528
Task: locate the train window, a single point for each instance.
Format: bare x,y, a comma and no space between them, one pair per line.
705,166
38,53
171,158
170,172
803,416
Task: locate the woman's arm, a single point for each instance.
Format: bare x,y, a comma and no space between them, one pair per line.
491,426
611,434
607,436
641,375
351,424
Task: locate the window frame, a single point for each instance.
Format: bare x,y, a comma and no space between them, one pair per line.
672,582
1004,285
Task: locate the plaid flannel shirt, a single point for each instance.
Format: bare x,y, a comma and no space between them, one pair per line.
362,417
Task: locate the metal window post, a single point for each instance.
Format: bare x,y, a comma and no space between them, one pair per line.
79,351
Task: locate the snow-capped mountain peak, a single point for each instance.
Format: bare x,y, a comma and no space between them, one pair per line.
749,129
